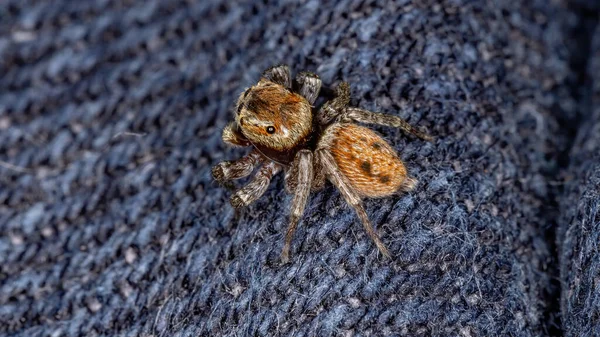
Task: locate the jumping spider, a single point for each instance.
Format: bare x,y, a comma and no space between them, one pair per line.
276,118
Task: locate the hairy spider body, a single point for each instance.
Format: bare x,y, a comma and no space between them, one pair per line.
276,118
359,153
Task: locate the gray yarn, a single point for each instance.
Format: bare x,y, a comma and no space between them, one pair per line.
580,221
110,119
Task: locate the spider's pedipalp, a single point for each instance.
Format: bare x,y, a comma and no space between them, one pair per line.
241,168
255,188
232,136
279,74
351,196
309,85
303,163
363,116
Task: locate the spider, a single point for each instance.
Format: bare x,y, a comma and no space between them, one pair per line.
276,118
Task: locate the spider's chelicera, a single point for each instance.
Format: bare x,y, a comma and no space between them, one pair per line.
276,118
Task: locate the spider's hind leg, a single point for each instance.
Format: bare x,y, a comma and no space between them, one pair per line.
351,197
336,106
309,85
279,74
363,116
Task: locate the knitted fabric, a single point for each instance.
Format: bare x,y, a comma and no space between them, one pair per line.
110,120
579,233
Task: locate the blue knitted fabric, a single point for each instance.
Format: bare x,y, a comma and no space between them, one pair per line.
579,234
110,119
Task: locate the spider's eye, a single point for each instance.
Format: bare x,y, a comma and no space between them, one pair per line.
270,130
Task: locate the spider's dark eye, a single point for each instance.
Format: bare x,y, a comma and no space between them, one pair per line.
270,130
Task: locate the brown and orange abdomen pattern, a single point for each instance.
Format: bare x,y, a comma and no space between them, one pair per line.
368,161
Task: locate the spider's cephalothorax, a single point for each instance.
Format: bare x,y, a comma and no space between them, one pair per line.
276,117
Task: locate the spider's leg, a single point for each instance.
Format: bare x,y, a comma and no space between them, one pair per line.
228,170
232,136
351,197
256,187
279,74
364,116
319,175
318,180
336,106
309,85
303,163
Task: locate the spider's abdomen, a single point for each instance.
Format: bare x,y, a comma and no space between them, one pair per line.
370,164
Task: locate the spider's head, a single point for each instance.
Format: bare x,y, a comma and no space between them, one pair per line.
272,116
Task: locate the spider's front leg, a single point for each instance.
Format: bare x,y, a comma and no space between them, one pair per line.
279,74
309,86
255,188
302,169
241,168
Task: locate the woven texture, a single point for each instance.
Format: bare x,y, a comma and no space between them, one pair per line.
579,233
110,119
